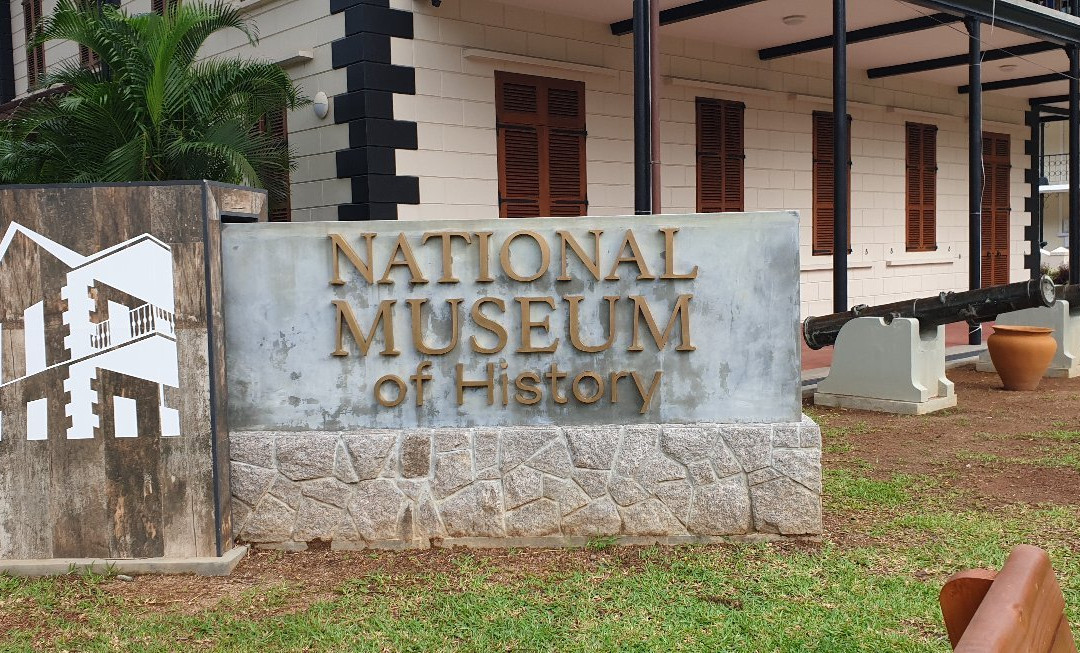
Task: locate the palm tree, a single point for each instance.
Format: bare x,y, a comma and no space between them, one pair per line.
150,111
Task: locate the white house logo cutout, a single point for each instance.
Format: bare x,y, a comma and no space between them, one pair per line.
129,288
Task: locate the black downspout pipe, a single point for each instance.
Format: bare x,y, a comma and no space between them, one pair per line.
1035,234
7,55
643,122
1074,163
975,164
841,159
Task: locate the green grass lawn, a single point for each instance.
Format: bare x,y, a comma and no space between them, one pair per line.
871,585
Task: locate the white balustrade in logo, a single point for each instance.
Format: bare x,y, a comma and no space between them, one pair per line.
144,320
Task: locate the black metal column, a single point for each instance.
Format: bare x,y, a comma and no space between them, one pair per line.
841,157
1074,164
643,119
1035,208
7,55
975,164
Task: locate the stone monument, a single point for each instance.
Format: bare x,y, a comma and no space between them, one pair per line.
518,382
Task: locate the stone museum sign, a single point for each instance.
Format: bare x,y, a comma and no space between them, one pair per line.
517,381
671,319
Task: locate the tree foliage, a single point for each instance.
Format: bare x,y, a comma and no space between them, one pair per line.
151,110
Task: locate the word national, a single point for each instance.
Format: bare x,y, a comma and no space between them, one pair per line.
511,308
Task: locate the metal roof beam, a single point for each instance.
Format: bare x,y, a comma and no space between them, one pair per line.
961,60
1018,82
1049,99
860,35
685,12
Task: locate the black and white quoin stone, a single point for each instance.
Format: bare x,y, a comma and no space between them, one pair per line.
519,485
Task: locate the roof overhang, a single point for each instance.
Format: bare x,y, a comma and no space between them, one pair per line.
1015,15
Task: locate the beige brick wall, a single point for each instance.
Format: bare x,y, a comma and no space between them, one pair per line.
457,164
285,27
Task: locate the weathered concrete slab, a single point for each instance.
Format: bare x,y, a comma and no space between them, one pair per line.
113,439
210,566
526,322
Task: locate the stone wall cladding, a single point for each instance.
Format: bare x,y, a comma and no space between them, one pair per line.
492,486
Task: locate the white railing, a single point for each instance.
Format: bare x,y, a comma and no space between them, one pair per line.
144,320
101,336
1055,169
152,319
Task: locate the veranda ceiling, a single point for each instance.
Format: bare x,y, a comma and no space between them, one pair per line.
760,25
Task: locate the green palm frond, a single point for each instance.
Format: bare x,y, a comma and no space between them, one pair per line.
152,110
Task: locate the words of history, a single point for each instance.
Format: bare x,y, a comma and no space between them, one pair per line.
532,314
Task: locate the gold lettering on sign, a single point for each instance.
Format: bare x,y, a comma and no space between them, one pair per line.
416,306
488,324
402,390
528,324
534,394
681,312
575,324
418,380
402,254
615,376
447,251
339,246
384,317
554,375
635,256
488,383
669,257
504,381
507,263
592,264
647,395
581,396
483,243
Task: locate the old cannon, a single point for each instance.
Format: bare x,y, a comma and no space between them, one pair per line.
972,306
1064,318
891,358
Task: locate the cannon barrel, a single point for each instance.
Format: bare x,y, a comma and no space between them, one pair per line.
1069,293
972,306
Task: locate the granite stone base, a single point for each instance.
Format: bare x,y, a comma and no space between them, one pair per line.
515,486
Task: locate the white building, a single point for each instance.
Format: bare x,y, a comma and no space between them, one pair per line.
423,123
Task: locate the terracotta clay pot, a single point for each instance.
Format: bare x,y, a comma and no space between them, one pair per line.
1021,354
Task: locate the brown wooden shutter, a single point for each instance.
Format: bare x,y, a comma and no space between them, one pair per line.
541,146
921,200
824,188
720,156
996,209
87,57
276,125
158,6
35,58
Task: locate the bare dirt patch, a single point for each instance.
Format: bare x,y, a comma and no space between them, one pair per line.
999,447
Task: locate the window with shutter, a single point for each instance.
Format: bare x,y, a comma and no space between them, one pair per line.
87,57
280,209
921,201
541,141
824,188
158,6
35,57
720,156
995,207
